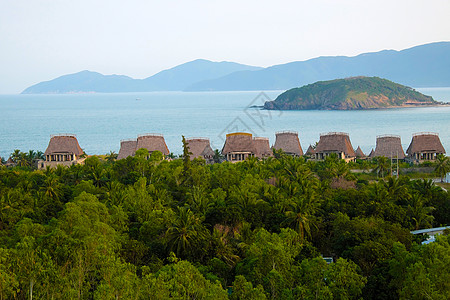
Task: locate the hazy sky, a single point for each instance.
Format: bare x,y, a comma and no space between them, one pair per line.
43,39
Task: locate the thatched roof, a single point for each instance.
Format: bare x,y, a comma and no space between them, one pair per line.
288,142
262,147
371,155
310,150
10,162
335,142
63,143
127,148
389,146
425,142
238,142
152,142
199,147
359,152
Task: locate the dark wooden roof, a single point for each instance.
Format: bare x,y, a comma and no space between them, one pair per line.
63,143
425,142
289,142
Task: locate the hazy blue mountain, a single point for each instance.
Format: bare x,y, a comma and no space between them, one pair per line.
174,79
84,81
422,66
184,75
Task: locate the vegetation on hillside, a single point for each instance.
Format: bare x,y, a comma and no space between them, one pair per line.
349,93
141,228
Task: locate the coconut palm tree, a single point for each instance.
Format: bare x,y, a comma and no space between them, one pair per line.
419,212
442,166
300,215
112,156
15,156
186,234
52,188
382,166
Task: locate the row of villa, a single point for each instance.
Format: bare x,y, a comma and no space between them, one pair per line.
64,148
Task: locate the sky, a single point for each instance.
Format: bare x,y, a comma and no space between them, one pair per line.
44,39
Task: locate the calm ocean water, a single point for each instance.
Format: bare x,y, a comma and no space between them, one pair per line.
100,121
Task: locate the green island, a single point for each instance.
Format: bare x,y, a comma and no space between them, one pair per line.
350,94
279,228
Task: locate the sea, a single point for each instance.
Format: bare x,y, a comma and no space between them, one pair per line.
101,120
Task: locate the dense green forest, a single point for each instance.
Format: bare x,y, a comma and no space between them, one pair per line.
349,93
141,228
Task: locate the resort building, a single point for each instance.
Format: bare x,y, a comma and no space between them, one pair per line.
289,142
262,147
337,143
150,141
238,146
127,148
359,153
200,147
10,162
310,152
63,149
425,146
389,146
372,153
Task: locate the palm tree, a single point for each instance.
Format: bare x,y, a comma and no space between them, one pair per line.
300,215
198,200
112,156
40,155
396,189
382,166
442,166
420,214
218,157
23,160
426,187
52,187
15,156
186,234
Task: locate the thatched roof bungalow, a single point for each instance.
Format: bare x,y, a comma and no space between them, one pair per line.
200,147
310,151
238,146
335,142
289,142
10,162
63,149
127,148
152,142
372,153
359,153
425,146
262,147
389,146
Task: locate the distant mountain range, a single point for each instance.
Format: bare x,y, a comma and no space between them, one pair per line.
422,66
174,79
